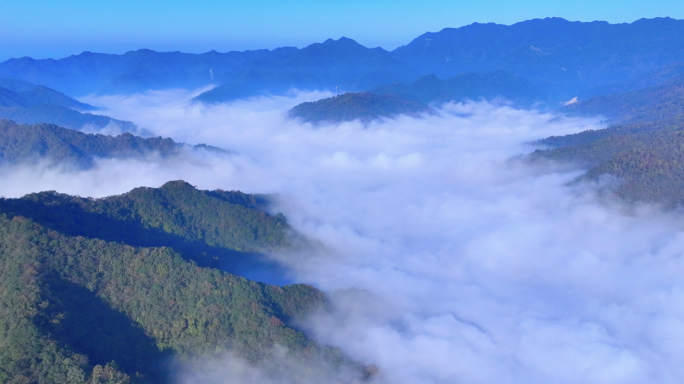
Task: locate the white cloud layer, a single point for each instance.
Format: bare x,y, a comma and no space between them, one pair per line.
470,267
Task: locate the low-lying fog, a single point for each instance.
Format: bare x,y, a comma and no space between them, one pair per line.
469,267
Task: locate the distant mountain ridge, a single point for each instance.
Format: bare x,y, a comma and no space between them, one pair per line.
28,103
27,95
341,62
20,144
467,86
560,57
362,106
663,101
565,56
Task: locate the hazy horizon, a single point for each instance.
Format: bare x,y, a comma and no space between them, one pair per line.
54,40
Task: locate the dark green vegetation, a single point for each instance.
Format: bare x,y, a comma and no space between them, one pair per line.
562,58
364,106
29,143
466,86
645,151
105,290
31,104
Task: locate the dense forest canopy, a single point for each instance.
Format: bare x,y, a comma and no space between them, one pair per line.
643,150
125,268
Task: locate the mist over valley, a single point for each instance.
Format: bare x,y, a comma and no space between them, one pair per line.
485,204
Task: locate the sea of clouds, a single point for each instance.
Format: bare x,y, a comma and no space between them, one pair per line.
448,259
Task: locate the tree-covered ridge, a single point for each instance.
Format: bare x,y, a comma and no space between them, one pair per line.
364,106
28,143
661,102
466,86
202,225
101,290
647,158
71,304
645,152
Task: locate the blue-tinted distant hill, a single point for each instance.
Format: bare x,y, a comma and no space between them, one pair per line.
25,94
342,63
228,92
28,103
467,86
567,57
362,106
562,58
27,144
660,102
641,81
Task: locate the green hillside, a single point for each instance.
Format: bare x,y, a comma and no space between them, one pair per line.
645,152
118,268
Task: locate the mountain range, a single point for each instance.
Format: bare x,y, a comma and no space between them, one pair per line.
562,58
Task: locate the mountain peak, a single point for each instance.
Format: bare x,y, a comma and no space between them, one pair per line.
177,185
341,41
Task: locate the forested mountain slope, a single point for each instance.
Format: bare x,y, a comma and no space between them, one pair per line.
644,152
466,86
201,224
31,143
659,102
363,106
68,271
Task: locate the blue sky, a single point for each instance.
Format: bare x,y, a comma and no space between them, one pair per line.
56,29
